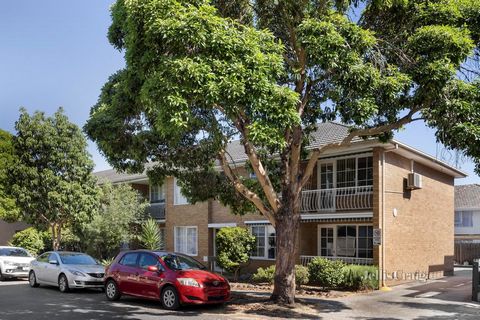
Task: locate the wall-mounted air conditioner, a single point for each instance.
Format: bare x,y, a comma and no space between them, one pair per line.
414,181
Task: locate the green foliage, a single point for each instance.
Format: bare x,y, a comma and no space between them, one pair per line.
234,245
120,212
359,277
150,235
106,262
8,209
326,273
52,178
302,275
264,274
30,239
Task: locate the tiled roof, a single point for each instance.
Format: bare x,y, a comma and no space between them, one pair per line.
467,196
328,132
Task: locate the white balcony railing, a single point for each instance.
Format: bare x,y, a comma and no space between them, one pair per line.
337,199
304,260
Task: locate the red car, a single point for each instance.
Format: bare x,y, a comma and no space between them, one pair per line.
173,278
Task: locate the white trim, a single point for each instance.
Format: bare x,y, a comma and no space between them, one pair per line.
267,247
175,240
326,216
222,225
257,222
160,221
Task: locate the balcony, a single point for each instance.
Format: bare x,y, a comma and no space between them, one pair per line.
157,210
304,260
337,199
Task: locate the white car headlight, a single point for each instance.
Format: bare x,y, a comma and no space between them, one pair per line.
77,273
190,282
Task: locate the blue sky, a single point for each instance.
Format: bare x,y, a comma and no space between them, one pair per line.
55,53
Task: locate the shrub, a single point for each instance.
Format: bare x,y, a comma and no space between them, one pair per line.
264,274
359,277
234,245
302,275
150,236
326,273
30,239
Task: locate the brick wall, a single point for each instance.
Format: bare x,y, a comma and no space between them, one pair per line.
420,238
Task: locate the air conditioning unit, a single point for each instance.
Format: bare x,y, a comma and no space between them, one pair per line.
414,181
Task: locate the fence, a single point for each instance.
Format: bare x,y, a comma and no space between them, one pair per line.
466,252
475,281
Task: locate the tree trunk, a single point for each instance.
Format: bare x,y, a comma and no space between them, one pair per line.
56,236
286,226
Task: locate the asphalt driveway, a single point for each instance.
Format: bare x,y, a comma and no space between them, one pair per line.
448,298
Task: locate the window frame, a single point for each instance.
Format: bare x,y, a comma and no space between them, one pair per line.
335,236
268,228
177,192
461,221
161,187
334,162
175,244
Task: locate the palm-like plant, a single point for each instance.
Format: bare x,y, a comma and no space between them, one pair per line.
150,237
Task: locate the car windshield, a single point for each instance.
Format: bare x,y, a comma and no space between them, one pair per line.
14,252
177,262
75,258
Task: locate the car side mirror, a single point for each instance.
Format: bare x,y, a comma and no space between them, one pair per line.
55,262
153,269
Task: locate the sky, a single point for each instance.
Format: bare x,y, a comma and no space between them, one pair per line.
55,53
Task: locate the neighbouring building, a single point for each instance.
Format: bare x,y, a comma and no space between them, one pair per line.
7,230
467,212
385,204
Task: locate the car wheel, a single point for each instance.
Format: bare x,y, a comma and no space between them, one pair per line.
63,284
32,280
170,299
111,291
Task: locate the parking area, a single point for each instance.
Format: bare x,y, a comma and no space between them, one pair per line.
448,298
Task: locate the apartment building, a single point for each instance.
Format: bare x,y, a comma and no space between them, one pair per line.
385,204
467,213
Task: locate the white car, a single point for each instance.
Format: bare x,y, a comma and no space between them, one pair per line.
14,262
66,270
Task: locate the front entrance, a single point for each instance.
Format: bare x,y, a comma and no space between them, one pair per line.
349,242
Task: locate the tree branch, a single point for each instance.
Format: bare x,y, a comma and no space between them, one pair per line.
356,133
243,190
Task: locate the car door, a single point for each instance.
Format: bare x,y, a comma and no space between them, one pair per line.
128,273
52,270
149,281
39,266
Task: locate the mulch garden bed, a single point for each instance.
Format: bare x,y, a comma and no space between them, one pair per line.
304,290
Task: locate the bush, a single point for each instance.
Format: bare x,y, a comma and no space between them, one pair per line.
326,273
268,274
30,239
150,236
264,274
234,245
358,277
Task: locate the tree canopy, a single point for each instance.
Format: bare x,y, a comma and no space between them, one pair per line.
8,208
51,179
117,219
199,74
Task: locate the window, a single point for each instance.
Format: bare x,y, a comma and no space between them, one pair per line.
129,260
464,219
43,257
157,193
345,173
186,240
326,242
162,238
365,241
265,242
178,197
147,260
326,176
346,241
365,171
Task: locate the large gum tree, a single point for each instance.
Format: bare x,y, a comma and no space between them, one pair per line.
201,73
